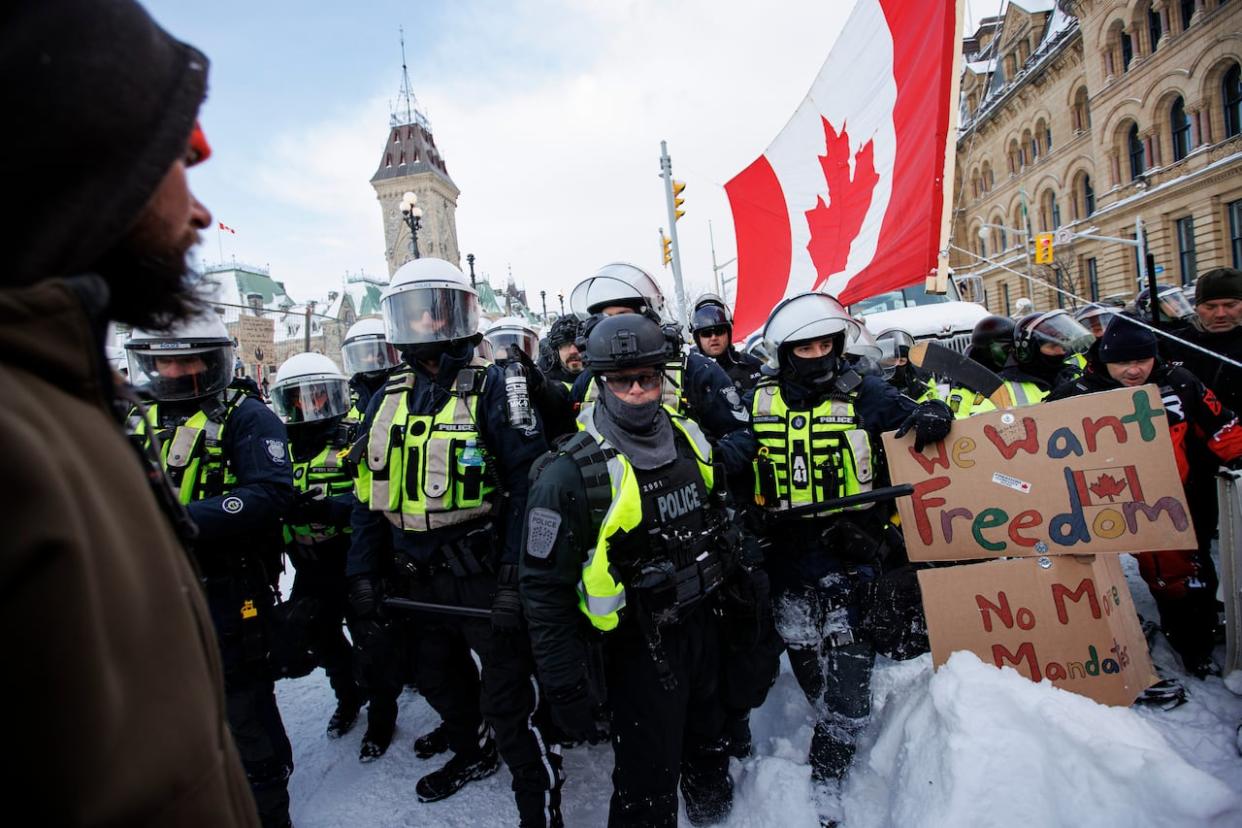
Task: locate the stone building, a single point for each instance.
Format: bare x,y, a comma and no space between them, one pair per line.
1085,116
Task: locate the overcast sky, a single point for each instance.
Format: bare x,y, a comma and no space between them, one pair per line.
548,113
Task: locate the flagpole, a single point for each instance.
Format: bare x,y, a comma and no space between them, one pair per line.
219,243
938,282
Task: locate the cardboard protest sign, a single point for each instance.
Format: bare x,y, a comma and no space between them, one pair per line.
256,337
1070,620
1087,475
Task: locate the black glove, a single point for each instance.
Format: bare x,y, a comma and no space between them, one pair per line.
364,597
572,713
506,610
309,507
534,377
931,422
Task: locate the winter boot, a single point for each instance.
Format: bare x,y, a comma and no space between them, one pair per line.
381,721
831,753
537,791
344,717
1166,695
432,743
462,768
706,785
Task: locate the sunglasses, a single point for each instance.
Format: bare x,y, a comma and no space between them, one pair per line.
718,330
646,381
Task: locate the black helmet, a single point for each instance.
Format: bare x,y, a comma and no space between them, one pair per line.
710,311
1173,304
991,341
627,340
564,331
1051,328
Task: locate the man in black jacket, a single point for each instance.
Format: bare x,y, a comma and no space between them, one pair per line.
712,329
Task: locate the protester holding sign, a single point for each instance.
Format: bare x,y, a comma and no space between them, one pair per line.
1183,582
818,424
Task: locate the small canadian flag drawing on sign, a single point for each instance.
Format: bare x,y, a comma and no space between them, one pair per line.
1100,487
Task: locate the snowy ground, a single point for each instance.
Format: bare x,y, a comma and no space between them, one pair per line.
968,745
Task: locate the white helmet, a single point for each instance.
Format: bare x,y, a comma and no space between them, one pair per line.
867,353
366,349
308,388
895,344
616,284
756,347
116,359
483,348
430,300
512,332
807,316
192,359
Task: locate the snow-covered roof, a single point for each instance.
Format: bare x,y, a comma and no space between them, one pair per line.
1034,6
981,67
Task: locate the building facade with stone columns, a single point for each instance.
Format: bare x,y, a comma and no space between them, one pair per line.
1084,116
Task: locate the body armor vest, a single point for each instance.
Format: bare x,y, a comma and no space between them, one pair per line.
328,473
427,471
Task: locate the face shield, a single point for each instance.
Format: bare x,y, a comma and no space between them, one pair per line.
183,373
894,350
1095,318
426,315
1059,329
511,338
310,399
707,317
1175,306
364,356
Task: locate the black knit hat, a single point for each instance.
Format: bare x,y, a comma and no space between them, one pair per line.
1219,283
1124,341
99,102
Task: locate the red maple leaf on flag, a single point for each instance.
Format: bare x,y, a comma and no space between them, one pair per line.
1107,486
835,225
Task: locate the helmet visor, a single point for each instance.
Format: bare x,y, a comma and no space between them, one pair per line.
365,355
1060,329
1174,305
484,351
183,374
430,314
310,400
894,350
510,339
709,316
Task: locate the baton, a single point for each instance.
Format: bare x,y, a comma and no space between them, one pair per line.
407,605
885,493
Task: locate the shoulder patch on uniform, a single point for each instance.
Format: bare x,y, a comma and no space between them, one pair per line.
275,450
542,526
232,505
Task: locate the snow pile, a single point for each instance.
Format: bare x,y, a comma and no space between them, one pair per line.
974,745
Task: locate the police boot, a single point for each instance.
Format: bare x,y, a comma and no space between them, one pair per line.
737,728
537,791
432,744
832,751
348,702
462,768
381,721
706,785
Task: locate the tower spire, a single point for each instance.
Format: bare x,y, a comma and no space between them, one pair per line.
407,111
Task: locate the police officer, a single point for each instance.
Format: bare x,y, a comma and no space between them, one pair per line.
510,339
697,387
367,358
626,536
1042,344
441,487
226,455
711,325
818,424
1096,316
311,396
991,343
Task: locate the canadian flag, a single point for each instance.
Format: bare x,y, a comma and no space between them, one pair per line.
226,228
850,196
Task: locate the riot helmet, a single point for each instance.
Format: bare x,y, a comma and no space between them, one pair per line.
192,359
616,285
895,345
1042,341
309,388
1172,304
756,347
429,307
865,354
806,317
626,341
991,341
366,349
512,332
1096,317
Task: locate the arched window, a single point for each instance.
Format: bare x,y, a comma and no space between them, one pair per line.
1231,94
1155,27
1127,51
1188,11
1047,139
1082,112
1055,212
1134,146
1179,123
1088,196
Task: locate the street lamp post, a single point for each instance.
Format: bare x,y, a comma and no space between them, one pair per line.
543,297
470,261
560,297
412,214
1026,249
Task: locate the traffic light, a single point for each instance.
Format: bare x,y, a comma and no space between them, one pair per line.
678,186
1043,248
667,245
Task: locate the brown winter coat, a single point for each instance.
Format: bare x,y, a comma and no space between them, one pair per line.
112,701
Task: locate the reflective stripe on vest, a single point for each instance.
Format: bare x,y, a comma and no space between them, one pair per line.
325,473
426,471
193,458
1025,393
964,402
807,448
600,595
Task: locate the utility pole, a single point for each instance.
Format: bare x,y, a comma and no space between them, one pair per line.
716,268
666,172
1027,235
